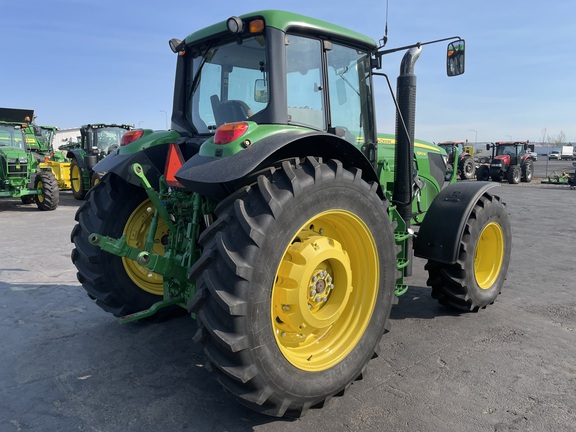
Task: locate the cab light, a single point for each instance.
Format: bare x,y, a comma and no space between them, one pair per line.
131,136
256,26
229,132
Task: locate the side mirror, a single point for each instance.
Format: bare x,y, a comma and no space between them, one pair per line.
261,91
455,57
176,45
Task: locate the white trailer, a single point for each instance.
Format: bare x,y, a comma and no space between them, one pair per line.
567,153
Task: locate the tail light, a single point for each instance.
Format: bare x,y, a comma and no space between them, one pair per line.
229,132
131,136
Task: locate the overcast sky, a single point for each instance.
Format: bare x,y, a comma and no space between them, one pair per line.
83,61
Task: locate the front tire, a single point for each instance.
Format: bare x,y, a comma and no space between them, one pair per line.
119,285
49,195
513,175
77,180
476,279
295,286
483,173
527,171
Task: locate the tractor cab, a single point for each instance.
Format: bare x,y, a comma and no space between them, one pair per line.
510,153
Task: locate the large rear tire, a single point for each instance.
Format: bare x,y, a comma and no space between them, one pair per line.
295,286
476,279
49,195
120,286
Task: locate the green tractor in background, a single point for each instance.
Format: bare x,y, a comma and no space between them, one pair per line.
97,140
40,140
275,214
21,176
462,157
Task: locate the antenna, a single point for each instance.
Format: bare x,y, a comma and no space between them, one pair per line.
384,40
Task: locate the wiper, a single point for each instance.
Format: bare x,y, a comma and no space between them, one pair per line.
196,80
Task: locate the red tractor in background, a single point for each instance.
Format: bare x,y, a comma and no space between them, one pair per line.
466,168
509,161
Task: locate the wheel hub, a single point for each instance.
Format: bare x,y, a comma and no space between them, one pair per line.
306,285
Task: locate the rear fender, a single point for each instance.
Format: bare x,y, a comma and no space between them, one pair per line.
216,178
441,231
152,160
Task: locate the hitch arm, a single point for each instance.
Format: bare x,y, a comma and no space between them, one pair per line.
162,265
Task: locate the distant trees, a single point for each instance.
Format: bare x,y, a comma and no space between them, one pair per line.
548,140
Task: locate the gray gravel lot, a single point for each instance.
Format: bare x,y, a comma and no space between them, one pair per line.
69,366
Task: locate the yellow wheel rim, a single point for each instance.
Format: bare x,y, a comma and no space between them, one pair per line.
40,186
76,178
489,255
325,290
136,230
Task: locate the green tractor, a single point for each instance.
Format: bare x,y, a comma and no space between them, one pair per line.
20,174
275,214
462,157
97,140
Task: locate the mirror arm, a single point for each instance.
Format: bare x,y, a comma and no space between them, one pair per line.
380,54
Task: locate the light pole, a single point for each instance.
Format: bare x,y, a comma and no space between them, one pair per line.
476,136
509,136
165,118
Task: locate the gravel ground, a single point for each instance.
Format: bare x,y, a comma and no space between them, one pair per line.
69,366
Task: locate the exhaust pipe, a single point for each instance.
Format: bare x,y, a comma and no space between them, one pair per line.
404,151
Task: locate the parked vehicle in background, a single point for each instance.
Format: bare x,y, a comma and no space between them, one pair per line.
510,161
97,140
555,155
465,164
567,153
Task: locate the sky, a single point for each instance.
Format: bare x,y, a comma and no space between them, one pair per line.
86,61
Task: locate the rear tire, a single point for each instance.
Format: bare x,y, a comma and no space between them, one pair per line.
269,261
476,279
467,169
119,285
49,197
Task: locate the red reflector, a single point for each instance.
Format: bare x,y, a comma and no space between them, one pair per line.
229,132
174,162
131,136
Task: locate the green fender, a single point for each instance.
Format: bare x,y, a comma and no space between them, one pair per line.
217,177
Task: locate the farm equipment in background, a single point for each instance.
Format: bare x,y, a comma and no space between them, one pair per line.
274,213
20,174
509,161
97,140
466,167
45,155
563,178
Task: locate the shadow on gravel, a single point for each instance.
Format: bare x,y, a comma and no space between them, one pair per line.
417,303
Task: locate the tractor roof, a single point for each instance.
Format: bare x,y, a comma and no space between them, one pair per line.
106,125
16,115
284,21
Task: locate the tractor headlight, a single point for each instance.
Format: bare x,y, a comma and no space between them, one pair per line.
23,160
12,160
